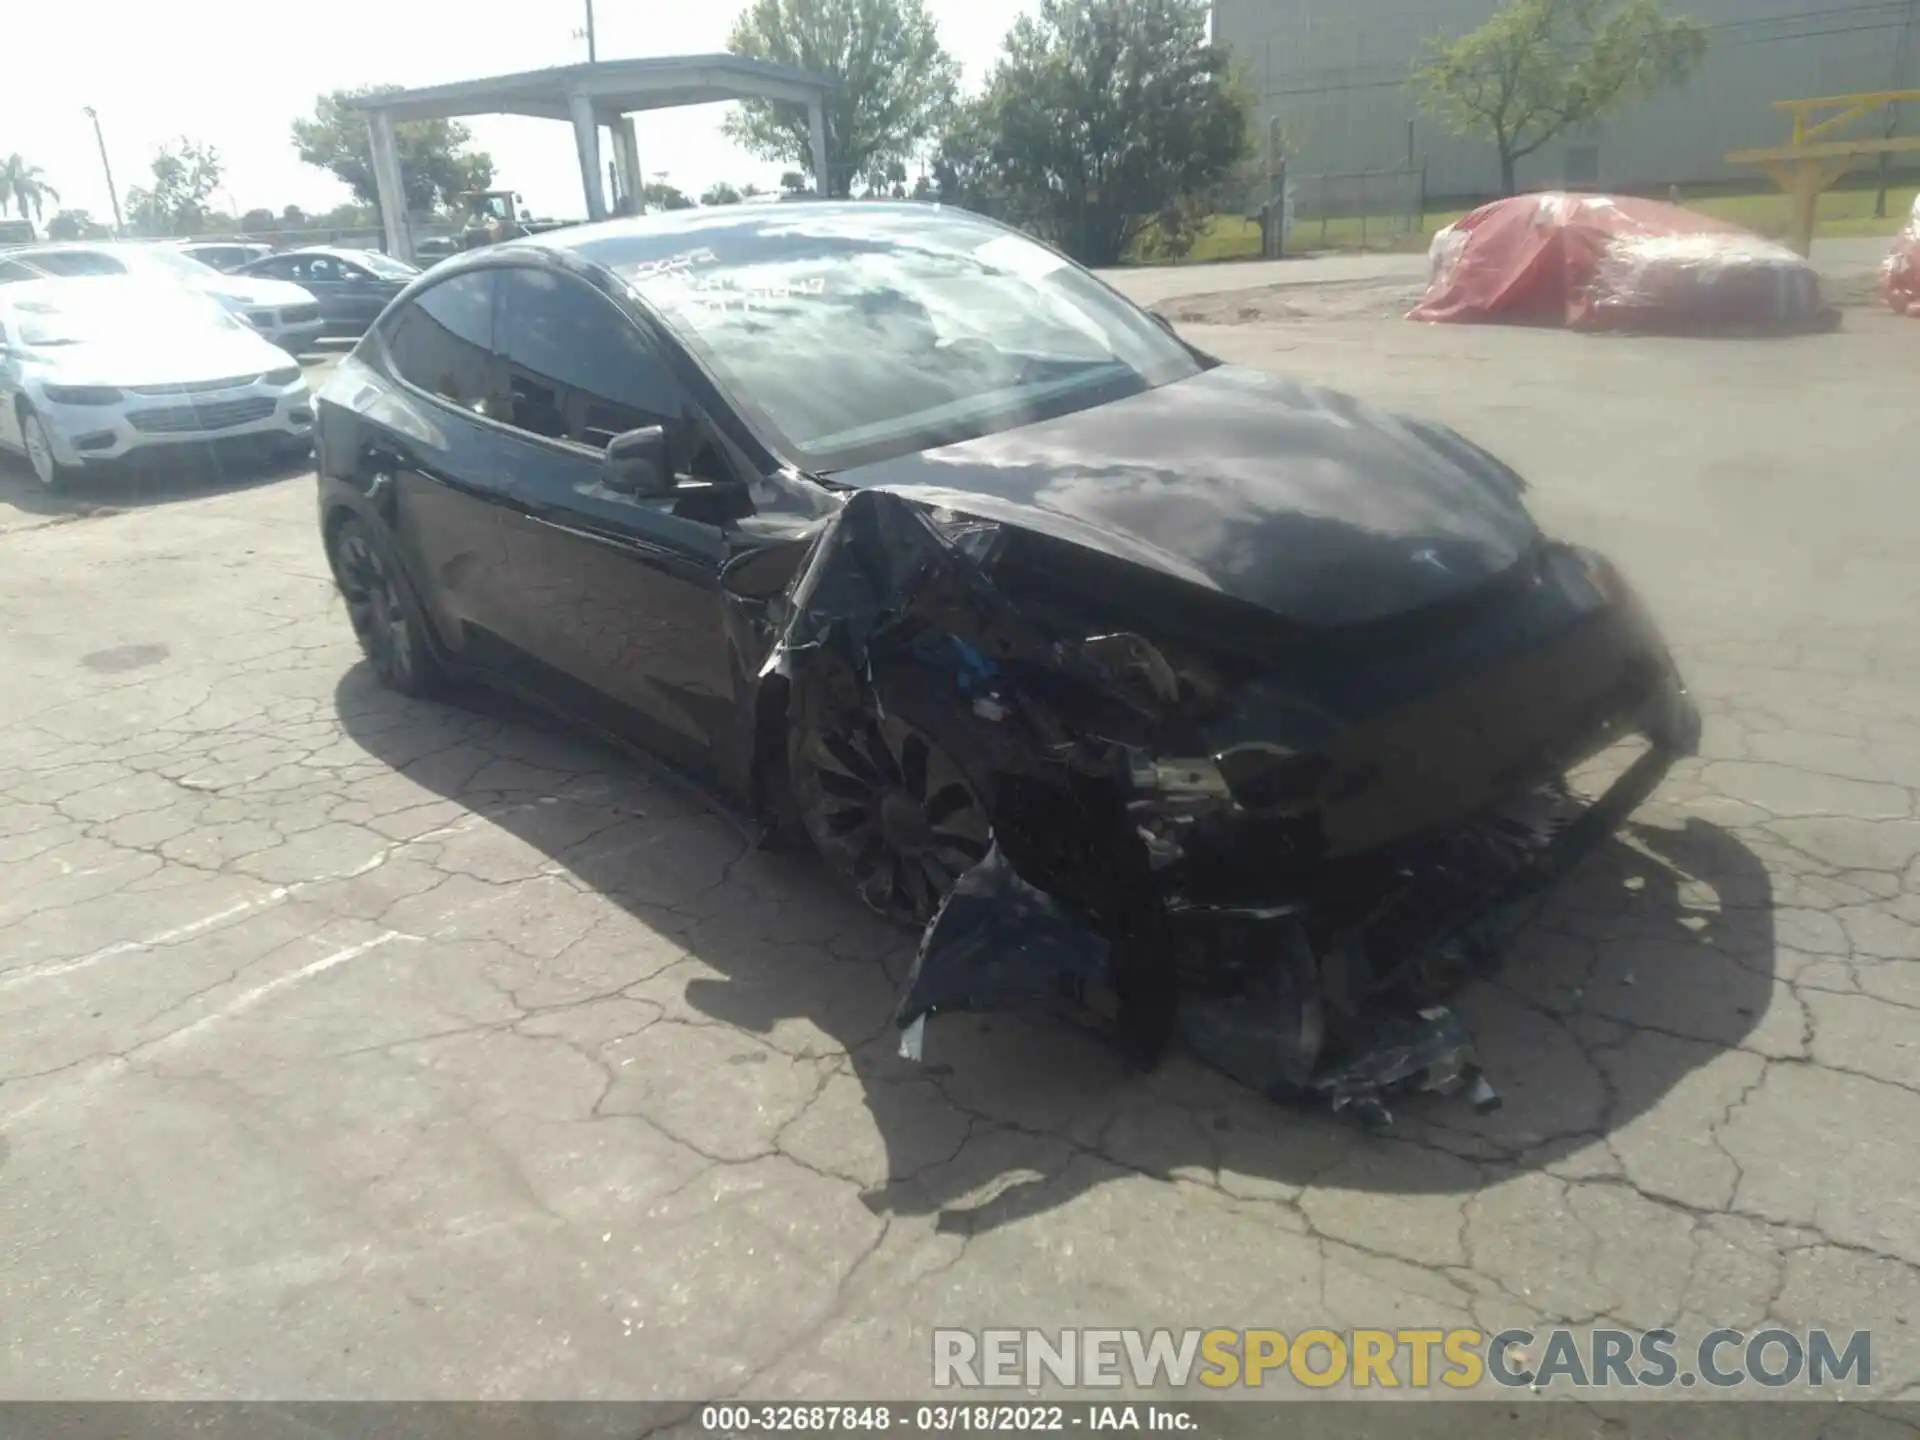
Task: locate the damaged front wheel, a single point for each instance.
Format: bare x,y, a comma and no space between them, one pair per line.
887,807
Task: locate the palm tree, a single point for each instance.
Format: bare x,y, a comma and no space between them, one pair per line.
24,187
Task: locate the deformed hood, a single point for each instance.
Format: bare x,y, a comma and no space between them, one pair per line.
1302,501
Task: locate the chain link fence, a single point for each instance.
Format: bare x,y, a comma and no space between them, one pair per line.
1368,209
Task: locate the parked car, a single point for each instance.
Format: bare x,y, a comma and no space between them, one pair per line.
282,313
95,372
1202,701
352,286
225,255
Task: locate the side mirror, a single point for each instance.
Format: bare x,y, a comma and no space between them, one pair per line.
636,463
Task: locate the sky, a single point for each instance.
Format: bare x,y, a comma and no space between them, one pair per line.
235,73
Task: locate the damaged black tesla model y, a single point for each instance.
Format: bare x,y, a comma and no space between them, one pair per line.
1203,703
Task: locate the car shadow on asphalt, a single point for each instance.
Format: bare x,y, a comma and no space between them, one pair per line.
1652,960
184,478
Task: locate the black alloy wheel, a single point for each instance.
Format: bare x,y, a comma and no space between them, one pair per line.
888,809
382,621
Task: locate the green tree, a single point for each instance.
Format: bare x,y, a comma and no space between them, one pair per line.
75,225
435,164
1103,119
1539,68
185,175
25,188
660,195
350,216
895,82
259,220
965,169
720,193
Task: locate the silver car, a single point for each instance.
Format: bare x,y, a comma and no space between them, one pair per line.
283,313
94,372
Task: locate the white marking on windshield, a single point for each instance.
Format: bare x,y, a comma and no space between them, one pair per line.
1018,257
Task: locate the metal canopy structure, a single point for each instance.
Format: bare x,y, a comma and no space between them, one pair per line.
587,97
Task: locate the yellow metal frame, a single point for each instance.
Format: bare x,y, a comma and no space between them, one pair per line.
1812,161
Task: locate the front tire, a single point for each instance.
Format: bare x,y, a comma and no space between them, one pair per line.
48,470
887,808
385,622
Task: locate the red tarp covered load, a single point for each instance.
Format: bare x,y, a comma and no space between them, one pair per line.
1612,262
1900,276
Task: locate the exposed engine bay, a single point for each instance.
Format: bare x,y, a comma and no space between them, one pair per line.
1180,818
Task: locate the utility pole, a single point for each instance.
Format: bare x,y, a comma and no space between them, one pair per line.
593,52
112,194
1902,55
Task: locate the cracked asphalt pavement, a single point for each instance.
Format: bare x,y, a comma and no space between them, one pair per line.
358,1047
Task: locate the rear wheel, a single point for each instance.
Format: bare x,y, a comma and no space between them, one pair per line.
384,622
888,808
46,469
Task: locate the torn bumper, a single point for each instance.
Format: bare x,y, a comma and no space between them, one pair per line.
999,940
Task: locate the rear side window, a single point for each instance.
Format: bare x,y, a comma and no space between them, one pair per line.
442,341
577,368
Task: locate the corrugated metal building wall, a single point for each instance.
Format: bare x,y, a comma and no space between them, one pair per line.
1334,73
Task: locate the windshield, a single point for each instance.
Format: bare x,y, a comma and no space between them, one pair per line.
122,318
384,265
856,334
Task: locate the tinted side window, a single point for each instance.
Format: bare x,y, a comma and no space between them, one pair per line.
577,368
275,267
442,340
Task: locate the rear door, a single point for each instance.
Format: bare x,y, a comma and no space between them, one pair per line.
619,593
442,459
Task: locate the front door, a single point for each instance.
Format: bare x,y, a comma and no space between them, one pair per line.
619,593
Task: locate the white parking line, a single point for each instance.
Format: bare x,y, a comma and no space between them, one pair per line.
248,999
10,978
53,969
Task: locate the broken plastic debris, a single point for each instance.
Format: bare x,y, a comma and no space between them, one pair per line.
913,1040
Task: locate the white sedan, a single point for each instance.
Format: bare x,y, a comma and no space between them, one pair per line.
282,313
94,372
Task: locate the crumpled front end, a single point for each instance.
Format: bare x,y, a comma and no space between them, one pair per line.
1281,845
